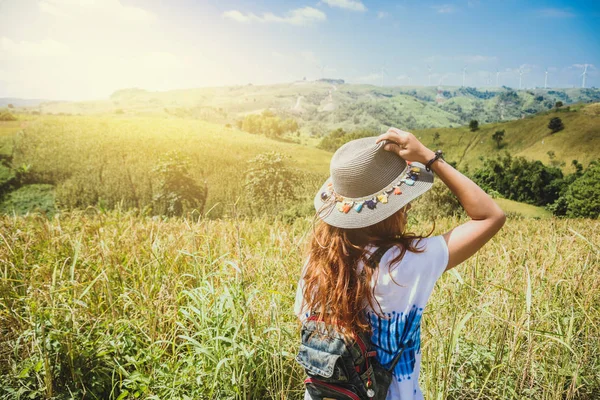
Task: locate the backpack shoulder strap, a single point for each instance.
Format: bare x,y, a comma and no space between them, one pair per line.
375,258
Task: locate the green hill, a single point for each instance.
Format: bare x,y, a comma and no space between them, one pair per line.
322,106
110,160
528,137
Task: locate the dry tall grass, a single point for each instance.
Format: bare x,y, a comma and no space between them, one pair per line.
115,305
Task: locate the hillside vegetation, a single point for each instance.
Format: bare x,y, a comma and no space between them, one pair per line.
116,305
528,137
321,106
109,161
75,162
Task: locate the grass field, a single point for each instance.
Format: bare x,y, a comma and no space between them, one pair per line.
322,106
110,159
526,210
106,159
114,305
528,137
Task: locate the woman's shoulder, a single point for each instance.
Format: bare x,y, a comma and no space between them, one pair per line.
431,246
431,255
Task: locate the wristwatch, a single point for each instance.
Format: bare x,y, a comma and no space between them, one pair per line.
438,154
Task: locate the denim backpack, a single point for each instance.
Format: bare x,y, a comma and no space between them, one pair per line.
337,369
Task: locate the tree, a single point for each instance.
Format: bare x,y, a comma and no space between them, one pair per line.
578,167
583,195
269,182
335,139
473,125
177,191
558,104
556,125
517,178
498,137
436,138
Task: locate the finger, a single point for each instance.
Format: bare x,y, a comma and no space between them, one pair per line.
394,148
387,136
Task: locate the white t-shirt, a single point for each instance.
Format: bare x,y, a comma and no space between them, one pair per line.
402,291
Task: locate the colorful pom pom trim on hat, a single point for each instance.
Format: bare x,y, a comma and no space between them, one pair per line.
344,204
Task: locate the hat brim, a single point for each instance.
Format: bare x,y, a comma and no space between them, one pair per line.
328,212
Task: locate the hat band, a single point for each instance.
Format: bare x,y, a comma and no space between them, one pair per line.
408,177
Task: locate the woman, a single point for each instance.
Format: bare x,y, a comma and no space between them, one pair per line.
363,206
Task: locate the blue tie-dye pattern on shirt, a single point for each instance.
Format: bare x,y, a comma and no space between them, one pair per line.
394,332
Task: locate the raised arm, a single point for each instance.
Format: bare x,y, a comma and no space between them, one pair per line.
486,216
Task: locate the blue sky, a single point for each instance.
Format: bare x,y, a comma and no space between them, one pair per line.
85,49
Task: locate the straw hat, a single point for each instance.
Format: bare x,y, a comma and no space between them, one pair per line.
368,184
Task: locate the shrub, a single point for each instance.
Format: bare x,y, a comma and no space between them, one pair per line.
520,179
177,192
269,182
556,125
268,124
498,137
438,202
473,125
335,139
7,116
583,195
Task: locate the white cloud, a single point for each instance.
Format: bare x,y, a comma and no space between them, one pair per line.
444,8
24,49
112,8
528,67
240,17
346,4
582,66
554,13
299,16
382,14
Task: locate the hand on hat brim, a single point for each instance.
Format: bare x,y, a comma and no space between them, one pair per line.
404,144
391,146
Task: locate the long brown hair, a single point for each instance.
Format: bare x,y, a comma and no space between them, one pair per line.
333,288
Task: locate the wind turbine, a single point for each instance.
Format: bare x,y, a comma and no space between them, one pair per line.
429,76
497,74
322,68
584,75
409,80
383,72
546,79
464,73
520,77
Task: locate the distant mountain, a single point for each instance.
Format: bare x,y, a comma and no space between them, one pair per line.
324,105
5,101
332,81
